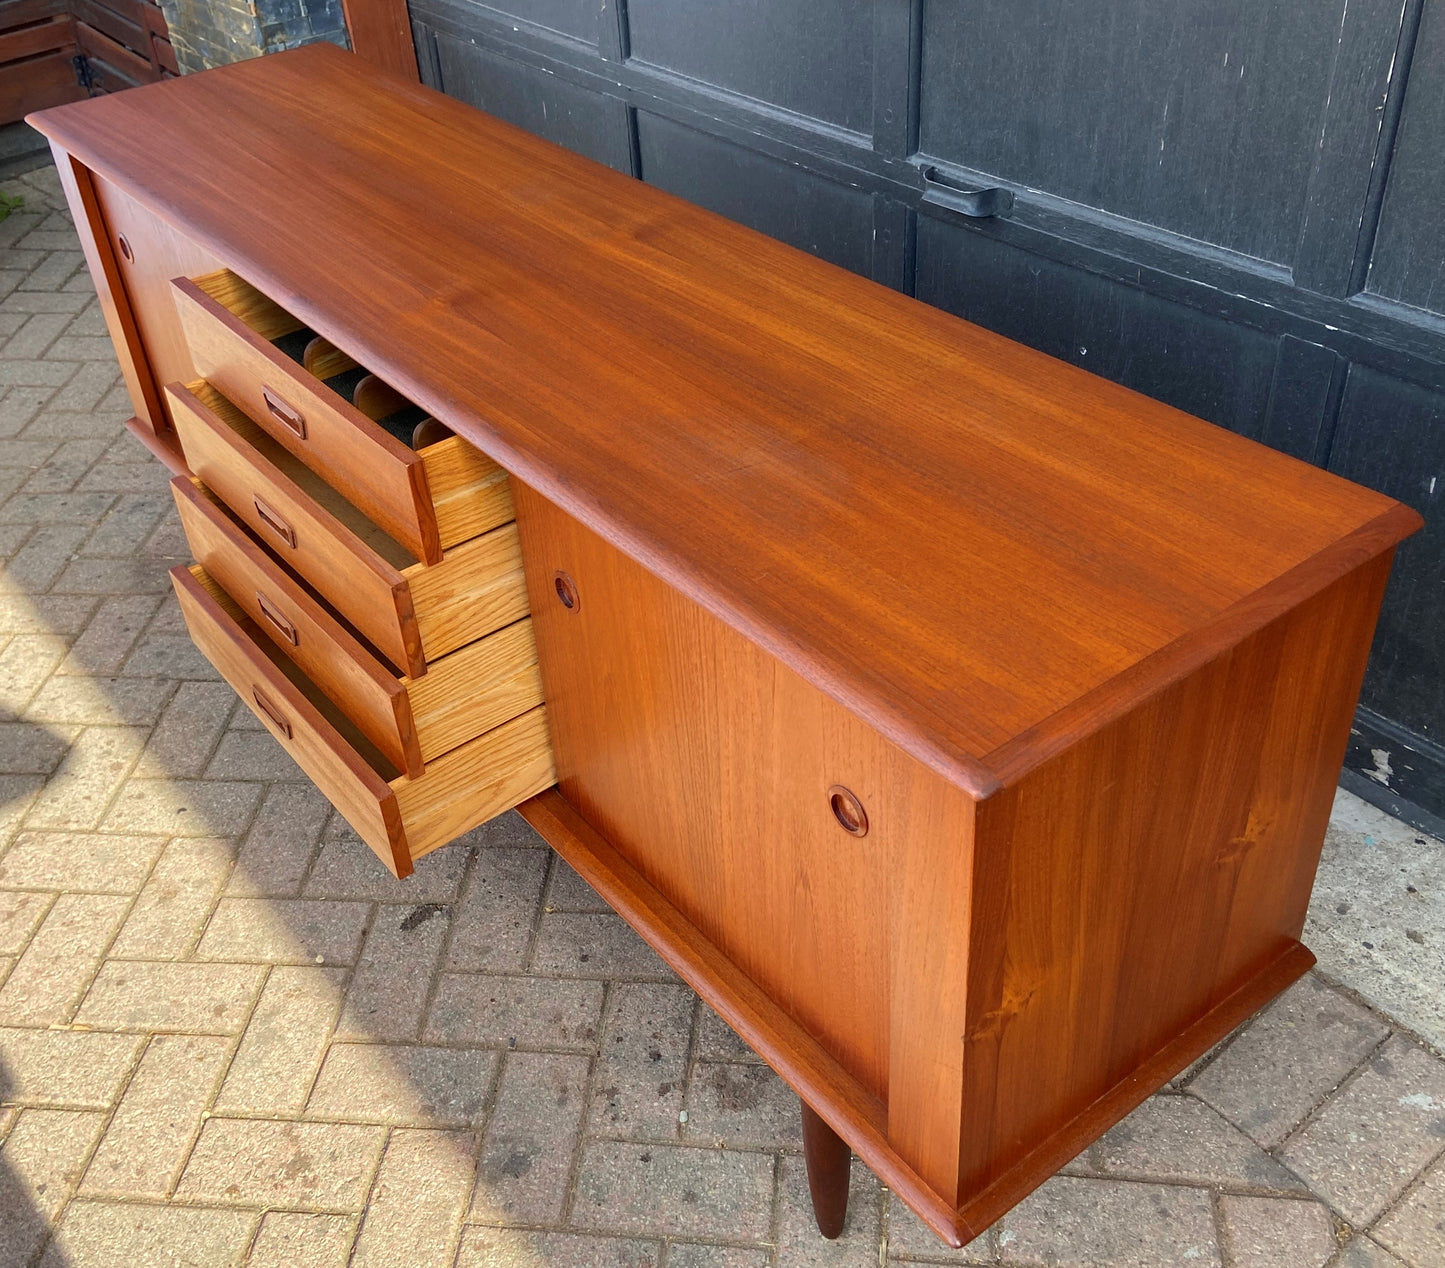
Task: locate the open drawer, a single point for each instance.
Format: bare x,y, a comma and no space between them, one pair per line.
399,817
411,720
412,612
427,500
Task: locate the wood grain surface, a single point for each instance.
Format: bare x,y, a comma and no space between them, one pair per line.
329,653
737,415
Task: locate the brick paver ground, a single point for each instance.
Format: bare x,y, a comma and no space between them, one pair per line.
227,1036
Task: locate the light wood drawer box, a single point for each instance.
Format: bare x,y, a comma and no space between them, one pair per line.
426,500
413,613
399,817
411,720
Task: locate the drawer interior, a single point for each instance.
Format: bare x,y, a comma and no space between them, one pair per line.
351,516
402,818
315,354
343,725
468,492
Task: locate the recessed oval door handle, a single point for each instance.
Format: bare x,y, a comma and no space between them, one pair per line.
848,810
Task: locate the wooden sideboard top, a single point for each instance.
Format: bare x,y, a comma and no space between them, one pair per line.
980,549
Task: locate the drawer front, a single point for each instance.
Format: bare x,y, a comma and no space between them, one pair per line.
301,627
400,818
222,317
369,591
346,778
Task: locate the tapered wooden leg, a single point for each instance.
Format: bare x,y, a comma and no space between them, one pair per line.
828,1159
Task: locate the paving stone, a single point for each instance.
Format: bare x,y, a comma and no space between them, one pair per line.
1077,1223
37,333
586,945
403,1084
73,701
1276,1232
65,1067
514,1248
277,851
104,1234
43,302
20,915
799,1241
642,1061
1371,1139
50,614
96,764
112,631
742,1104
35,373
700,1255
183,807
27,661
86,388
911,1241
531,1012
506,832
717,1041
1415,1230
95,863
566,891
61,959
251,1162
124,532
530,1142
28,455
50,508
1361,1252
53,271
182,888
390,985
37,564
280,1053
290,1239
167,656
16,794
150,1135
421,1189
188,731
20,404
252,755
1377,915
1299,1049
1179,1138
40,1162
346,868
493,922
118,576
712,1192
284,931
202,998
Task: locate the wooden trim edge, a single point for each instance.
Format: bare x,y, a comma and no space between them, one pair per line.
1030,749
1293,962
856,1115
171,457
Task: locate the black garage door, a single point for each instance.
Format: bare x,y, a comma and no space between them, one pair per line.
1236,206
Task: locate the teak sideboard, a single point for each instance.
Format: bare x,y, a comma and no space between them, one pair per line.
961,726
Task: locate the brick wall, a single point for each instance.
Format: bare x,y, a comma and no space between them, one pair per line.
209,33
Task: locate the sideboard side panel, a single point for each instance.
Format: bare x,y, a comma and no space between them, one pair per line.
158,254
103,262
708,766
1126,888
